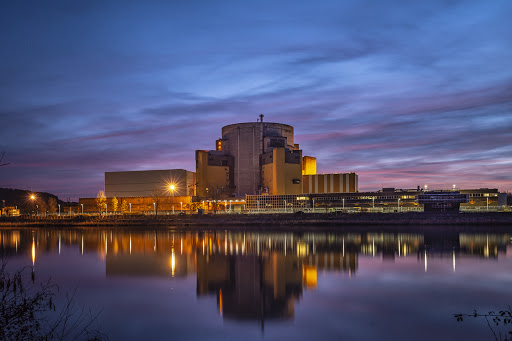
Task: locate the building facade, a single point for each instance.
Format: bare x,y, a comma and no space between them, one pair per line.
330,183
150,183
252,158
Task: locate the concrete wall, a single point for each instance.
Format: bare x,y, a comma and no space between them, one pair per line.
146,183
278,175
246,142
330,183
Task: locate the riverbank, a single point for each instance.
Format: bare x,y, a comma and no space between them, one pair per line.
503,220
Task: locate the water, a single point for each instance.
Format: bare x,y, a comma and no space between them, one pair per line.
231,285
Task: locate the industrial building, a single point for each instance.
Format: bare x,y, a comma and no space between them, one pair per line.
149,183
259,158
385,200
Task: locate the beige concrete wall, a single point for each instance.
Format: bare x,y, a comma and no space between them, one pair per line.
278,176
146,183
330,183
209,177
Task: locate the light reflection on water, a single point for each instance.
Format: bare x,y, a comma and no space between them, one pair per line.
274,285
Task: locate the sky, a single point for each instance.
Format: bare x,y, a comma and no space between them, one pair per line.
405,93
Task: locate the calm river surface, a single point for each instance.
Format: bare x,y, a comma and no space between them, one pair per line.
253,285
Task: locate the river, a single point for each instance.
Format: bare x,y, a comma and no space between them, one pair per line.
161,284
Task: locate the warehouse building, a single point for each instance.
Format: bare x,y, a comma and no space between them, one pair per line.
150,182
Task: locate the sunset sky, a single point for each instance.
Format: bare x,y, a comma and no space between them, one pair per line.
404,93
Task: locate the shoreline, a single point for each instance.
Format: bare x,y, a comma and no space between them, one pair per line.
491,221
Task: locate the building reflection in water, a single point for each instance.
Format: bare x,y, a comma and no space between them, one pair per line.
254,275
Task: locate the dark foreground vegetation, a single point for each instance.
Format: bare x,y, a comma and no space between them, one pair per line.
28,310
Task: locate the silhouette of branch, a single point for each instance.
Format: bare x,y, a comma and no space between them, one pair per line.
501,318
1,159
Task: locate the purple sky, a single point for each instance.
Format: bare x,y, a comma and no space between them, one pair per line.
404,93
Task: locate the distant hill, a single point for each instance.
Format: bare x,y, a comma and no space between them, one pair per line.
21,199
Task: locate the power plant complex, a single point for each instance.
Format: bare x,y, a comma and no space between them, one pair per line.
257,166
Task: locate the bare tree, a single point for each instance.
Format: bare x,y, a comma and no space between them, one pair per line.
28,311
1,160
52,205
215,193
158,197
101,200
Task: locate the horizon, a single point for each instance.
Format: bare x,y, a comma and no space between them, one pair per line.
403,94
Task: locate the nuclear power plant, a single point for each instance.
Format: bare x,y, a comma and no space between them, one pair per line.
258,166
259,158
252,158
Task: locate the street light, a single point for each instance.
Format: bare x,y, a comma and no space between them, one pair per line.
172,188
181,204
130,206
154,207
343,203
105,209
284,205
37,210
59,209
230,204
82,208
373,202
225,205
399,203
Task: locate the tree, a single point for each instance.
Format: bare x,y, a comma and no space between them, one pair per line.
101,200
1,160
215,193
28,311
52,205
115,204
499,320
124,206
158,197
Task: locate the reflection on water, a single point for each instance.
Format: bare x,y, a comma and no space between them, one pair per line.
253,275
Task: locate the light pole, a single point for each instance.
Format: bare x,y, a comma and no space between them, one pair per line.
284,205
399,204
230,205
37,210
82,208
487,203
203,204
343,203
225,205
181,206
373,202
59,209
105,209
172,188
154,207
